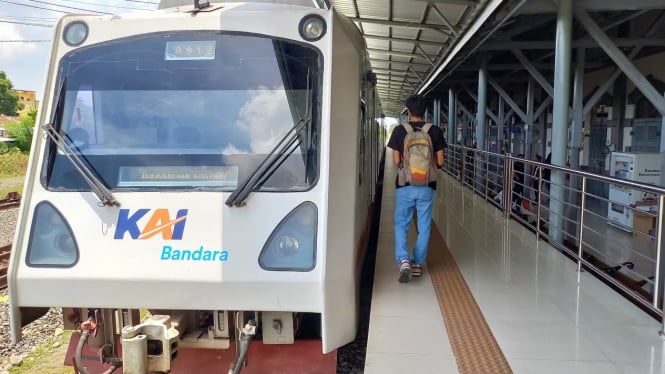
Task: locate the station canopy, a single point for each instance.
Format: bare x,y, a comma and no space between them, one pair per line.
425,46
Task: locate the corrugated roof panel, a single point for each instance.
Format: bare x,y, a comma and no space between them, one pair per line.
408,10
435,36
403,45
391,25
345,7
401,59
379,55
374,29
430,50
374,8
452,12
406,33
374,44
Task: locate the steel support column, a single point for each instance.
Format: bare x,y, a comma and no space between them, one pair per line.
619,111
481,123
436,113
500,141
560,116
452,117
578,109
662,144
542,124
530,123
576,141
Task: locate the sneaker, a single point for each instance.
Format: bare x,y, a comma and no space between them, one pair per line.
404,271
416,270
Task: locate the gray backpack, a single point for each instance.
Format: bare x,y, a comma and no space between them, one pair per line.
418,157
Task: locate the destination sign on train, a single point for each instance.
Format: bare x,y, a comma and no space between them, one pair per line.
160,176
190,50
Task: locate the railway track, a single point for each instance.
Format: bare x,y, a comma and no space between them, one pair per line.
10,203
13,200
5,251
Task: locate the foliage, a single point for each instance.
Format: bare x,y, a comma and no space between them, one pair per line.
13,167
13,164
22,131
45,359
7,147
10,185
9,100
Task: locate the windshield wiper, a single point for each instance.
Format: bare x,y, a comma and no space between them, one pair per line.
104,195
276,157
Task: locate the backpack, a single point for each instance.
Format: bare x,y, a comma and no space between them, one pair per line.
418,157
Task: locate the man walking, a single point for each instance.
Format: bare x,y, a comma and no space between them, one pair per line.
413,190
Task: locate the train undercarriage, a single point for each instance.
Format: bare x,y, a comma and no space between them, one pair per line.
133,341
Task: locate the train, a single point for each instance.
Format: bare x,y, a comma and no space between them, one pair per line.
200,187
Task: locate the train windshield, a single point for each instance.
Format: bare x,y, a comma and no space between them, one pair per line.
189,110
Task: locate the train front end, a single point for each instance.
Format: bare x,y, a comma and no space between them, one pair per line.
181,166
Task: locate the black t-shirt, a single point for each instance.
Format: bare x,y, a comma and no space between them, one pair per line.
396,142
518,175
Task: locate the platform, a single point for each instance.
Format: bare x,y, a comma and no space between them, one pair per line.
515,292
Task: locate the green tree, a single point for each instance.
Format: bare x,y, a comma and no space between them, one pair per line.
22,131
9,101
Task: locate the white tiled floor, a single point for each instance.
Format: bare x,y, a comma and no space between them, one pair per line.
407,332
547,317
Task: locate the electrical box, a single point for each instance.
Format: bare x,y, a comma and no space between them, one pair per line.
638,167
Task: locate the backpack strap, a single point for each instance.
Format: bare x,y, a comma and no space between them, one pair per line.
426,127
408,127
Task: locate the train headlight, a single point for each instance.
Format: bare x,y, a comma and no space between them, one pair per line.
75,33
292,245
312,27
51,242
288,245
64,244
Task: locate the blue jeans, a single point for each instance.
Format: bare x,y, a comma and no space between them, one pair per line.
408,197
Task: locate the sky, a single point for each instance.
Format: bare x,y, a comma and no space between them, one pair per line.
27,28
26,35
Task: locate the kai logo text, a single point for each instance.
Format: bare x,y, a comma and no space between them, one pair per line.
157,222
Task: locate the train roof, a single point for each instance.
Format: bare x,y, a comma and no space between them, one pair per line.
164,4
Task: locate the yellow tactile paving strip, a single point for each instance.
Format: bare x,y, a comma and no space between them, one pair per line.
476,351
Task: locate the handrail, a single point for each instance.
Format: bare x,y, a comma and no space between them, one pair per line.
484,172
643,186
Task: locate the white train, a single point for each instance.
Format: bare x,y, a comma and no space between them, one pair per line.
214,164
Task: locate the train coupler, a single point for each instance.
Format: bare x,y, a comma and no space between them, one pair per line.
149,346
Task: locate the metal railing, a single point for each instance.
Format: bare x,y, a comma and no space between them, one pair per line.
620,242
